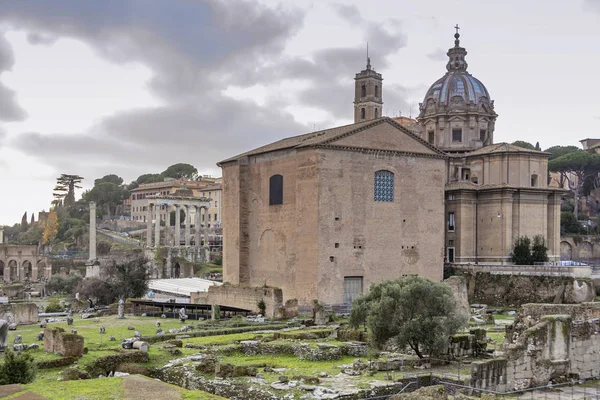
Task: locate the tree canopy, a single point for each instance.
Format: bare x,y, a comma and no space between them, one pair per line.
64,191
180,171
525,145
557,151
413,311
575,168
108,193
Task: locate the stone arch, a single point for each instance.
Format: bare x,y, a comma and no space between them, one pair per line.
566,251
26,270
585,250
41,270
13,270
176,271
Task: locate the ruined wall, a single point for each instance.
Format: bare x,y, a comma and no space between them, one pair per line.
242,297
57,341
515,290
20,313
579,247
542,348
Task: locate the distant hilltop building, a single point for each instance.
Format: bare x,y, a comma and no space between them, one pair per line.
204,187
326,214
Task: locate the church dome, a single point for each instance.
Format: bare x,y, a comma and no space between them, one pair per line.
457,83
457,113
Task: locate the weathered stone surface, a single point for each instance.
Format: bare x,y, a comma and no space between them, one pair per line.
438,392
56,340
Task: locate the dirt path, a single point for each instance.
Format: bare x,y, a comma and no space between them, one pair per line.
138,387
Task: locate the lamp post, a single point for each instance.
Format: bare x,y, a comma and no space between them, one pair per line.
502,231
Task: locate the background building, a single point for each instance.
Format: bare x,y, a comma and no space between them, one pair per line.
204,187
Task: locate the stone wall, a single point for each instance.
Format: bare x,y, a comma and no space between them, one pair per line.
515,290
458,285
57,341
326,240
580,248
542,348
242,297
21,313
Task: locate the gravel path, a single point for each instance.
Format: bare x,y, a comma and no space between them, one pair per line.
138,387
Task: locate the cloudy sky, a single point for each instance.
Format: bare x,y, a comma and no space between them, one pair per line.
132,86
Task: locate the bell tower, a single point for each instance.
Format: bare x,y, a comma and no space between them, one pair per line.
368,97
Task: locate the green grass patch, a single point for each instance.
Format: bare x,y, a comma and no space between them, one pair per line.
89,389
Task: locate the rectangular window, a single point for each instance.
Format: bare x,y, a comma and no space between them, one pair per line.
451,243
451,221
482,133
275,190
430,137
215,203
457,135
451,254
215,217
451,197
209,217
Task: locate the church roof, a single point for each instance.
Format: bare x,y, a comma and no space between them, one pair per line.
502,148
326,136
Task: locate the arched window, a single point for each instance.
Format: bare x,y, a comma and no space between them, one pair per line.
384,186
376,112
376,91
363,113
275,190
363,91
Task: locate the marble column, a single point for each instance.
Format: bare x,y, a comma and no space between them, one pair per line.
92,246
168,226
197,224
177,225
157,225
187,225
205,230
149,225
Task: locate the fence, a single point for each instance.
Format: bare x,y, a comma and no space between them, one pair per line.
573,389
338,309
532,270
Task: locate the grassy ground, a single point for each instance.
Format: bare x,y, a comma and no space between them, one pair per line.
110,389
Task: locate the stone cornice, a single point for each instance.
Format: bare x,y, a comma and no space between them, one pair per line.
380,151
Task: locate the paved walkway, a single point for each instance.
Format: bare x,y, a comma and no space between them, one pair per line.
139,387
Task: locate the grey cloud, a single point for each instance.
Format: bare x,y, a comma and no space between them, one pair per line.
348,12
592,5
187,45
9,108
438,54
170,135
195,50
41,39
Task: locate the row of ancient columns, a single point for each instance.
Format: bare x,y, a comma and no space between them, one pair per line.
187,233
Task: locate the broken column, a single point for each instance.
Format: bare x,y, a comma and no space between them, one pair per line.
92,249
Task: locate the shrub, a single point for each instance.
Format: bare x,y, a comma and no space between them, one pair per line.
539,250
17,368
521,254
60,284
261,306
54,305
103,248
